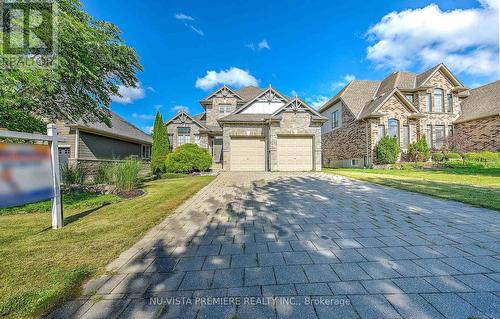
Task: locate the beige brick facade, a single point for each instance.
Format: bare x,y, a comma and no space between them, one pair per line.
480,135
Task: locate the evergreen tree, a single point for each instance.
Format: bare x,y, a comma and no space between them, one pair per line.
161,145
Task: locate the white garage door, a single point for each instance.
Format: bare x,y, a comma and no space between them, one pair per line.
248,154
295,153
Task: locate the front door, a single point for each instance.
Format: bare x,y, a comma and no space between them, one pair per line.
217,149
64,154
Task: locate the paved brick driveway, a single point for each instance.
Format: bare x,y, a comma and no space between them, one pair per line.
305,246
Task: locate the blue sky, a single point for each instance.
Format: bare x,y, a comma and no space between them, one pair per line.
311,48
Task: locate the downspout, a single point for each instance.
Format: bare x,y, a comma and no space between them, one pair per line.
77,142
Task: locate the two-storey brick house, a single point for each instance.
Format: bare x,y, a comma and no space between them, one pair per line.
404,104
253,129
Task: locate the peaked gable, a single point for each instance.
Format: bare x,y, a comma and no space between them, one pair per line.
224,92
424,77
183,118
297,106
373,107
267,102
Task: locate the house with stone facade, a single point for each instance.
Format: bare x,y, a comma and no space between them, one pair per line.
253,129
405,105
479,123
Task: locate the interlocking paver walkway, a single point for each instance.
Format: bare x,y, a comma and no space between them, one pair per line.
314,246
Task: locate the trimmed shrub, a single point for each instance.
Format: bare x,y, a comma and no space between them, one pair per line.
485,156
160,147
188,158
72,175
453,156
387,150
104,174
437,157
419,151
126,174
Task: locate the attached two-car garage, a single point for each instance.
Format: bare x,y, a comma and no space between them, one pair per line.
293,153
248,154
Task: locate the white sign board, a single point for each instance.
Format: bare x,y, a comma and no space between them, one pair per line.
25,174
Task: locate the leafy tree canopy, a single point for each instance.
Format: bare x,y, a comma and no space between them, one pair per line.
91,63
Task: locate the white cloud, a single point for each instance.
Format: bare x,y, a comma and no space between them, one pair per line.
345,79
178,108
317,101
233,76
183,17
464,39
198,31
262,45
143,116
128,94
148,129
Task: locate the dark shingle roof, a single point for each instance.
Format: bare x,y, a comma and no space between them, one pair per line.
248,92
356,95
120,128
482,102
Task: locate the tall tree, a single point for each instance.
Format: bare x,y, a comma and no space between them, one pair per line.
91,63
161,145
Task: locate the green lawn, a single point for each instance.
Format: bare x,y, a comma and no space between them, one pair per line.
475,186
39,266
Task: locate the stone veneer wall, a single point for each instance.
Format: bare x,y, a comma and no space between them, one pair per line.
295,124
213,109
348,142
481,134
195,130
90,166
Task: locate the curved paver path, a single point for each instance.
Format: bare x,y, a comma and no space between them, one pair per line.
307,245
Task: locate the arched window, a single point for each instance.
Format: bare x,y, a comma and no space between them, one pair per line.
438,100
393,128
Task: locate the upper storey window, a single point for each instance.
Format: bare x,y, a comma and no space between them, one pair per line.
428,102
409,97
438,100
335,119
225,109
450,103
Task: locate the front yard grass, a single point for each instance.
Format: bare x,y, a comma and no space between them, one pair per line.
476,186
40,267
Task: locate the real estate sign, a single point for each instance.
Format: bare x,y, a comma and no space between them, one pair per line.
25,174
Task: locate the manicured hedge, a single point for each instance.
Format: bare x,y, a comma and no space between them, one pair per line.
419,151
453,156
485,156
387,150
437,157
188,158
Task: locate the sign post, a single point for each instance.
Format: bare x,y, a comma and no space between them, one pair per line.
28,175
57,211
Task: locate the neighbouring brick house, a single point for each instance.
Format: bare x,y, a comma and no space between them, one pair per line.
408,106
479,124
253,129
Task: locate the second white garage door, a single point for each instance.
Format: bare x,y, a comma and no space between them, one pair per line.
295,153
248,154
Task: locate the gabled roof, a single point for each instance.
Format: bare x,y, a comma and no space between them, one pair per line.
120,129
249,92
423,77
354,95
223,91
375,105
298,105
269,94
183,116
482,102
362,96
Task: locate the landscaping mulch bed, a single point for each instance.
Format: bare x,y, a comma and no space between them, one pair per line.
131,194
